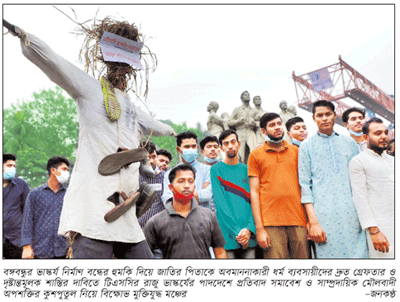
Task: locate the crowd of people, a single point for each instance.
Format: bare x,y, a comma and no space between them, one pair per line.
324,196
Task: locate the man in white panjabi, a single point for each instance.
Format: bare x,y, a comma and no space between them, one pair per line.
372,182
85,202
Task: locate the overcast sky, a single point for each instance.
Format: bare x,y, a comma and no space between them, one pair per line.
214,53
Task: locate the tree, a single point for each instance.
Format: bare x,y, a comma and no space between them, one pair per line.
35,130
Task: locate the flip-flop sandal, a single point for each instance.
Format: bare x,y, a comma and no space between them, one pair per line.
122,208
114,162
146,199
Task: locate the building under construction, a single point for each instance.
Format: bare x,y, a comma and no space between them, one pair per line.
337,82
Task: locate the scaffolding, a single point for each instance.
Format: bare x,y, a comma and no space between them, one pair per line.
345,82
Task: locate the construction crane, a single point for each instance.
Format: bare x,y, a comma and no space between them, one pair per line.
338,81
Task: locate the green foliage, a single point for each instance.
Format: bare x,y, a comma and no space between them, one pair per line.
169,143
35,130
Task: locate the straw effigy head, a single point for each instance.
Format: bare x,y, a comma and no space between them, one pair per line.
123,76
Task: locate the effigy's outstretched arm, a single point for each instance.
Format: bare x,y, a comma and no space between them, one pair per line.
147,124
60,71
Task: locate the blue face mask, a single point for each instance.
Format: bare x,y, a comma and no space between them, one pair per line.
156,169
296,142
9,173
274,141
210,160
189,155
358,134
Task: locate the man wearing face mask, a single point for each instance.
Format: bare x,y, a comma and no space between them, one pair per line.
209,148
183,229
296,130
353,119
187,148
279,216
42,214
15,191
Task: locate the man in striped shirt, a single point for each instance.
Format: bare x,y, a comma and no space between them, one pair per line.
156,183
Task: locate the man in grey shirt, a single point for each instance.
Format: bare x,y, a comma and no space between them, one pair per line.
184,229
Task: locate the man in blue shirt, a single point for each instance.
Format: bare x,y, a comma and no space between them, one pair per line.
15,191
326,191
187,148
42,214
209,147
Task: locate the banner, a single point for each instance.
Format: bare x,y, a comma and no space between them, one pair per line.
119,49
321,79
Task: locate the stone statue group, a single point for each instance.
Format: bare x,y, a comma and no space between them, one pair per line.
245,120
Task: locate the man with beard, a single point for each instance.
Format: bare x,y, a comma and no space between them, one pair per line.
372,182
353,119
275,194
232,200
244,123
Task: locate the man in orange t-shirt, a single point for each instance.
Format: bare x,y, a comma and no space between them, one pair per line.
275,194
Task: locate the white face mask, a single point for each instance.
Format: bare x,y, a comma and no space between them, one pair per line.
189,155
9,173
211,160
274,141
63,178
358,134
